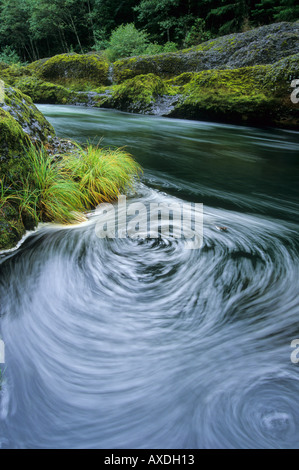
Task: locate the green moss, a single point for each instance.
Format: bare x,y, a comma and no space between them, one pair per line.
44,92
120,74
31,120
12,142
20,123
278,76
10,74
102,89
242,81
259,94
163,65
71,69
11,227
182,79
124,69
140,91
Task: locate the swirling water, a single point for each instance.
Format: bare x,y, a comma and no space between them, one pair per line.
145,344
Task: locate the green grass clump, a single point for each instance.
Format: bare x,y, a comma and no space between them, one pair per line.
61,189
45,193
101,174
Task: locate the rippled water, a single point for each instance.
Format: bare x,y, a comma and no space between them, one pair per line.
143,343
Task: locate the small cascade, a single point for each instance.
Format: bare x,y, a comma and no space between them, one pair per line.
110,75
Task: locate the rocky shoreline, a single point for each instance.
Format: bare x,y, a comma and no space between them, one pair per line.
241,78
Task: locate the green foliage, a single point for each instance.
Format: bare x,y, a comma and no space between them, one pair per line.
197,34
42,28
266,11
127,41
9,56
158,16
14,26
227,17
288,10
154,48
263,11
170,46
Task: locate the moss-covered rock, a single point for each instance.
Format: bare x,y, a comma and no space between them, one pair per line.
12,142
140,94
44,92
20,123
11,226
11,73
258,95
264,45
26,114
73,70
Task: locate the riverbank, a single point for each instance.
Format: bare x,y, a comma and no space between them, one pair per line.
44,179
243,78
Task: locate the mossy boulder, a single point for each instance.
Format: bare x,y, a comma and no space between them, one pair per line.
140,94
258,95
44,92
11,226
20,123
72,70
264,45
26,114
11,73
12,142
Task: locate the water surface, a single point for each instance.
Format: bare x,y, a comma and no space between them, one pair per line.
142,343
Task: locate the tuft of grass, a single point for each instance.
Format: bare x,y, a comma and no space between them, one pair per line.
102,174
46,194
62,188
5,193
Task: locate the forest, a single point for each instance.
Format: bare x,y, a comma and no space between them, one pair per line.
34,29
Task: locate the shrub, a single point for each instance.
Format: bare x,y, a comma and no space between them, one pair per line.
153,48
101,43
197,34
126,41
170,46
9,56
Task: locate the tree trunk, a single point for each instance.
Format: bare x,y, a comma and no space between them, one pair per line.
76,33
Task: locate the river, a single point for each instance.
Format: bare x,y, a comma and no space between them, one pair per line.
123,343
